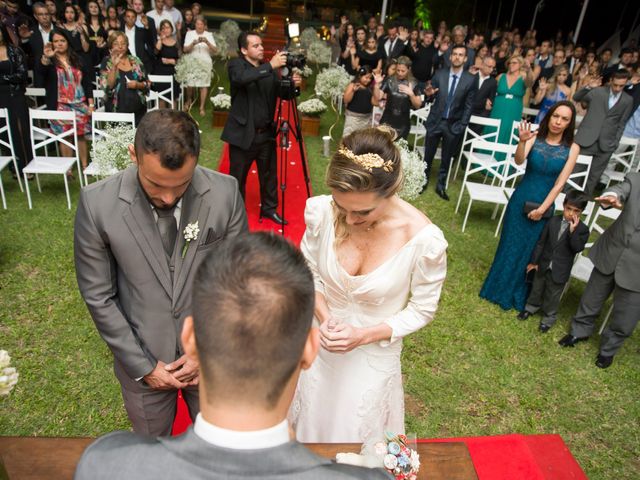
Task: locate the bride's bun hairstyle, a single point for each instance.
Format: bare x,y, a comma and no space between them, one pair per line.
367,161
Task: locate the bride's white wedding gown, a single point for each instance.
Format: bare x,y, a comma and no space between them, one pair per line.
357,396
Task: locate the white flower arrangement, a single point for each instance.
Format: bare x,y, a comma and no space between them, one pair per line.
111,152
8,375
221,102
222,45
190,233
308,36
331,82
192,70
312,107
412,170
319,52
230,30
305,72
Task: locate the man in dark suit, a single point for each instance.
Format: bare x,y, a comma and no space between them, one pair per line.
452,90
563,237
141,42
34,40
608,109
250,129
392,45
616,263
139,238
486,87
251,333
625,63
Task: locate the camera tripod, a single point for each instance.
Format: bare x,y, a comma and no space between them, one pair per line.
288,122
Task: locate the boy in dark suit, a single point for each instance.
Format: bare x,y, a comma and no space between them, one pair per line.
562,238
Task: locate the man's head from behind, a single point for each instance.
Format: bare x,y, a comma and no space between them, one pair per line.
166,150
253,302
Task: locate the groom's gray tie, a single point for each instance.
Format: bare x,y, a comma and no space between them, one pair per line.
168,228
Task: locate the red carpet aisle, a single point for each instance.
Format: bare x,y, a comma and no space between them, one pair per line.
522,457
295,198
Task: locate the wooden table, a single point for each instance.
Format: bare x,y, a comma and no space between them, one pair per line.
36,458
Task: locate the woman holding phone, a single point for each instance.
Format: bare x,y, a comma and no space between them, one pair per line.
123,79
200,43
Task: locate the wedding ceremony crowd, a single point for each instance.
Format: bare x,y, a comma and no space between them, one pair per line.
272,345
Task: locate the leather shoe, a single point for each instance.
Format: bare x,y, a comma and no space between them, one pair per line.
442,194
543,327
603,361
523,315
570,341
274,217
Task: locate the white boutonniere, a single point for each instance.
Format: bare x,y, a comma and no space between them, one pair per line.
191,232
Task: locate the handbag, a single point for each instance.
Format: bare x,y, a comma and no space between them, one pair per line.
531,206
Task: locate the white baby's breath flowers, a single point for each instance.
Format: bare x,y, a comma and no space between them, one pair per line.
8,375
190,232
312,107
413,171
221,102
192,70
110,153
331,82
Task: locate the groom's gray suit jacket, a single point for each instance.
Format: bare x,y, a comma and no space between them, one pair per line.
136,302
124,455
618,248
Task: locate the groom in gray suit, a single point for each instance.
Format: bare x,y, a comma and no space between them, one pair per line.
251,334
599,134
616,260
135,261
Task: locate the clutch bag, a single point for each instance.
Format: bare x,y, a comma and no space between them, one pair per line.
531,206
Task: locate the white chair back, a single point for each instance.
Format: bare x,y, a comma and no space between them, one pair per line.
33,95
376,115
625,153
530,113
45,137
98,100
98,119
165,95
515,128
580,174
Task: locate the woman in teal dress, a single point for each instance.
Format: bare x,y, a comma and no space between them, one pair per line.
551,156
507,105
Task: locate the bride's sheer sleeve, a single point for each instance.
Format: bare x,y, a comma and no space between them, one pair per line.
311,244
427,279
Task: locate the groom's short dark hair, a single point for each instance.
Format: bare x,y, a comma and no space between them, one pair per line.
253,301
171,134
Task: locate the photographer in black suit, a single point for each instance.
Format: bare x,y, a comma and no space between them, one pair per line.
250,129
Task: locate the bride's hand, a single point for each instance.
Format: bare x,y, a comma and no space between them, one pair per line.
340,338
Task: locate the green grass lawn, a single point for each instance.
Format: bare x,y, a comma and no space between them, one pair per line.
475,370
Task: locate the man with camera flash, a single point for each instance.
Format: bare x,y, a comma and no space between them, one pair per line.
250,128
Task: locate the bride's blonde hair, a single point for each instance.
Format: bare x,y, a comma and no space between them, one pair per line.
366,161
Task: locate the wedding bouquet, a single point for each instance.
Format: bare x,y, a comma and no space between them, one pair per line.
221,102
308,36
312,107
192,70
331,82
8,374
412,170
319,52
111,152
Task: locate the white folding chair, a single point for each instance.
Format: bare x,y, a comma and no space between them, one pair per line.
98,121
621,161
98,100
418,130
376,115
502,170
492,124
530,114
578,178
35,95
6,143
157,95
52,165
515,128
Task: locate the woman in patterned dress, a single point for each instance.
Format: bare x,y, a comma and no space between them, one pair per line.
66,82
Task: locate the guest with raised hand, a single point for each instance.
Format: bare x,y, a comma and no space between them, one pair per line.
402,94
200,43
67,80
379,266
552,91
112,20
123,78
167,53
369,56
551,155
359,100
34,40
97,32
141,40
77,32
13,82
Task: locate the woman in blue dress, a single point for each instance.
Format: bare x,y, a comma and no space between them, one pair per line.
551,156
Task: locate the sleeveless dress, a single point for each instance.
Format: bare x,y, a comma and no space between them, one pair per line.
548,102
505,284
357,396
201,51
507,106
71,98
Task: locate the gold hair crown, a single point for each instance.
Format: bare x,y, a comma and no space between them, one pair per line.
368,161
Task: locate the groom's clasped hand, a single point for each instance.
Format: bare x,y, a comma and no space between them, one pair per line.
339,337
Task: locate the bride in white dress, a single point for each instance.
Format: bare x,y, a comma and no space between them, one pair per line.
379,266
